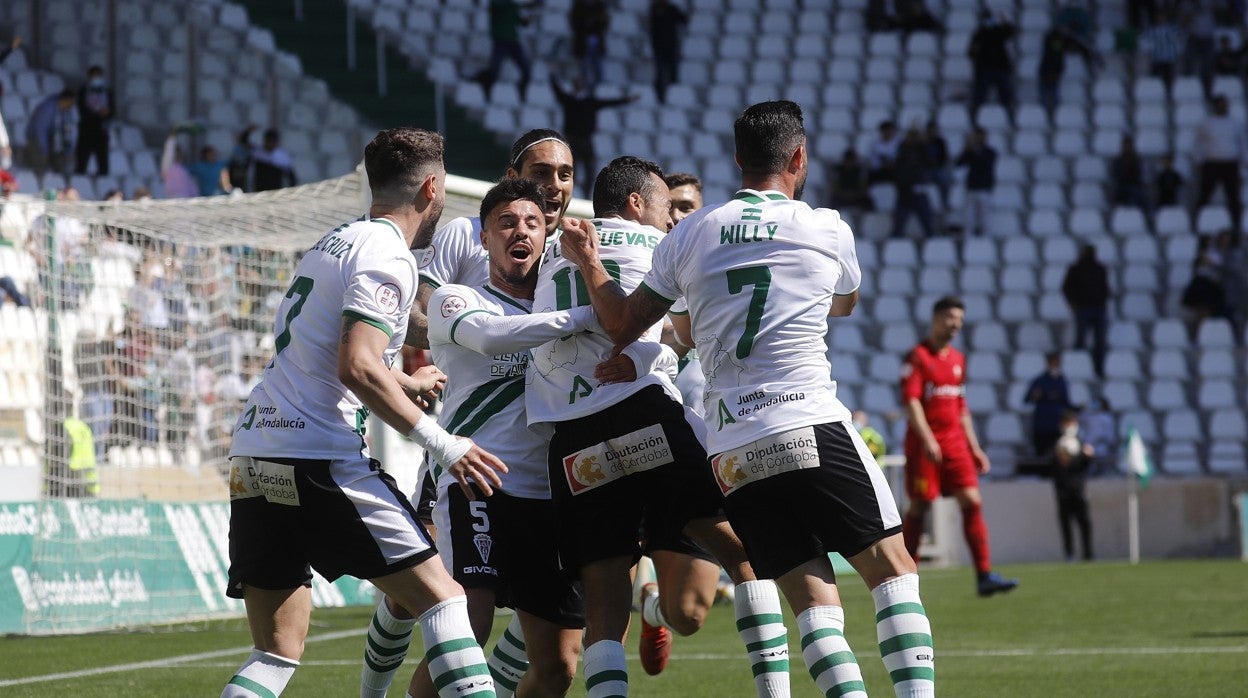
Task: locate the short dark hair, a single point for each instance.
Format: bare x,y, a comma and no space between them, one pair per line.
530,139
680,179
948,303
397,161
766,136
511,189
620,178
66,94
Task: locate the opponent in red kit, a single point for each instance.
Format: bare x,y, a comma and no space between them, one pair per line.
943,456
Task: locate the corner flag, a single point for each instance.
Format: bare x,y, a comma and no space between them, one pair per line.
1136,455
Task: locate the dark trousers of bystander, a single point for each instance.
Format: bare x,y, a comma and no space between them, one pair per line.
1225,172
1093,321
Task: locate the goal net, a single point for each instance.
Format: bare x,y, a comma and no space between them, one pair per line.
148,324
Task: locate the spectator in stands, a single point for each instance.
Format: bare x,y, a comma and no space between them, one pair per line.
1198,23
1168,182
240,159
980,161
1072,457
580,121
992,62
1098,429
849,184
870,435
1228,254
685,191
173,172
141,193
96,108
1127,175
1074,17
51,134
1058,41
211,174
1049,394
138,373
1086,289
506,18
903,15
96,364
1219,148
589,20
14,224
272,166
881,16
909,178
936,162
667,25
1204,296
1165,44
1228,59
883,156
1139,13
6,148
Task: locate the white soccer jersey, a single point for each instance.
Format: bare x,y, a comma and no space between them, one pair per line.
481,338
759,273
456,255
300,409
561,380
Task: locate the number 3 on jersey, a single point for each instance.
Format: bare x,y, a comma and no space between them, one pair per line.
760,278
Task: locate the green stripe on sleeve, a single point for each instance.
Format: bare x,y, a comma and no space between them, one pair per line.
656,294
369,321
455,325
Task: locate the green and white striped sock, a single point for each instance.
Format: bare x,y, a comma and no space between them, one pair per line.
905,637
384,650
828,657
606,672
760,624
456,662
509,660
263,675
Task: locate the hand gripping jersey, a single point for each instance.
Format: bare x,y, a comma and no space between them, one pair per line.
481,338
759,273
300,409
455,256
561,380
938,380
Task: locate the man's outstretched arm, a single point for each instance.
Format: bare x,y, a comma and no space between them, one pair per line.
624,316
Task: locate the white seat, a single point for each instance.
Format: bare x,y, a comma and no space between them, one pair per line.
1227,457
1166,395
1213,220
1216,363
1048,169
1034,335
1216,394
879,399
1086,222
1030,143
989,337
1123,364
1143,422
1169,333
938,280
1149,89
1070,143
899,337
978,279
1215,333
890,308
846,338
883,368
1005,429
1182,424
1228,424
980,251
1048,195
982,397
1151,115
1015,307
1136,305
1174,220
901,253
1129,222
1026,364
1180,458
1059,251
1121,393
1106,142
1078,366
1032,117
1090,169
1109,115
1167,364
896,281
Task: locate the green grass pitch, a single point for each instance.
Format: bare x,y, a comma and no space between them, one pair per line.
1175,628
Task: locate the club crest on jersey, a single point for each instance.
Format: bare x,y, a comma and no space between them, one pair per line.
425,258
388,297
452,305
957,370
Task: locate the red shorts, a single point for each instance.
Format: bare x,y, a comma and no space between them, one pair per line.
926,480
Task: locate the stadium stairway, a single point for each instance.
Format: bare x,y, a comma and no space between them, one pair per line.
471,151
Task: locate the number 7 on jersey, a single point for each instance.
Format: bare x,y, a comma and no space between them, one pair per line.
760,278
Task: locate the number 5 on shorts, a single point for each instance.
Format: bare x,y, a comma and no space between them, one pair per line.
760,278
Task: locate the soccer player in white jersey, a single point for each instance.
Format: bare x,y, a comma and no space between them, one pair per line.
628,456
761,274
304,492
501,546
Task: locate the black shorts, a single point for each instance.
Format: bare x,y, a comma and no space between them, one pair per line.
426,496
637,463
507,544
842,505
290,516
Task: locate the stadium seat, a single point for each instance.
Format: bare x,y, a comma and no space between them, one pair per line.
1228,424
879,399
938,280
1180,458
1026,364
1123,364
1059,251
982,397
846,338
1135,305
1167,395
1216,363
1126,222
1032,117
899,338
985,366
1212,220
978,279
1086,222
1215,333
1030,144
1121,393
1090,169
1227,457
1216,394
1106,143
889,308
1109,115
1005,429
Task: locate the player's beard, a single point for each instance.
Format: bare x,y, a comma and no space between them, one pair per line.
801,184
424,234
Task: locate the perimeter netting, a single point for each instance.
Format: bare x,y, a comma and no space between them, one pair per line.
148,325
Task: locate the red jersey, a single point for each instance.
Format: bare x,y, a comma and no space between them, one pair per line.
938,380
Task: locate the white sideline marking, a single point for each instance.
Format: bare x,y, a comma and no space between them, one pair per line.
171,662
164,661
